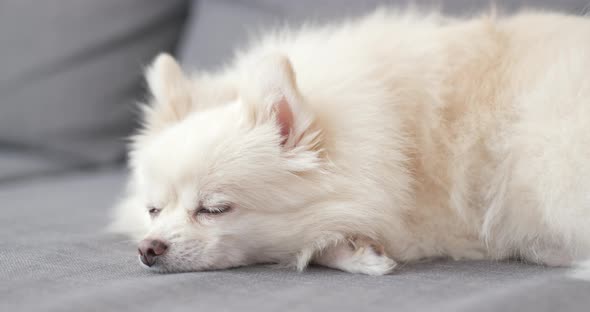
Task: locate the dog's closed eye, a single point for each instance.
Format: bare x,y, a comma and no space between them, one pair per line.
153,211
215,210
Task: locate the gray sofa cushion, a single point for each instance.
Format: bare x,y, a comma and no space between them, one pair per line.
16,165
216,28
71,71
55,256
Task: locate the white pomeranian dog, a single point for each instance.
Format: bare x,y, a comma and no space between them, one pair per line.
359,145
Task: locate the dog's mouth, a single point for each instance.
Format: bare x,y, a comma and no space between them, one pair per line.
159,267
152,266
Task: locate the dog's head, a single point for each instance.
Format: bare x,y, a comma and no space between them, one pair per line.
222,167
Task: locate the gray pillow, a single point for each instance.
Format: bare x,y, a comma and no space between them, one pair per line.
71,72
232,21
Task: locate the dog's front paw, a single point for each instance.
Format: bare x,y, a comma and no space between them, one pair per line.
357,255
368,257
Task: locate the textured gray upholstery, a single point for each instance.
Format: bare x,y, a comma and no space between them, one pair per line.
15,165
71,71
54,256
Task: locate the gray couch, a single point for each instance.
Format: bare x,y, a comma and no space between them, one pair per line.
69,76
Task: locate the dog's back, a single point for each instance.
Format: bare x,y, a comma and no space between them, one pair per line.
482,123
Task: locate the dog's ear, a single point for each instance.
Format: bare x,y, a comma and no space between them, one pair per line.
272,88
165,78
171,91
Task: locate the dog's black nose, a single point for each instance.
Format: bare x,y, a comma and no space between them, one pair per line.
149,249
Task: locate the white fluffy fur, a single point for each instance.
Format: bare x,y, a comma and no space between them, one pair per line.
404,136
